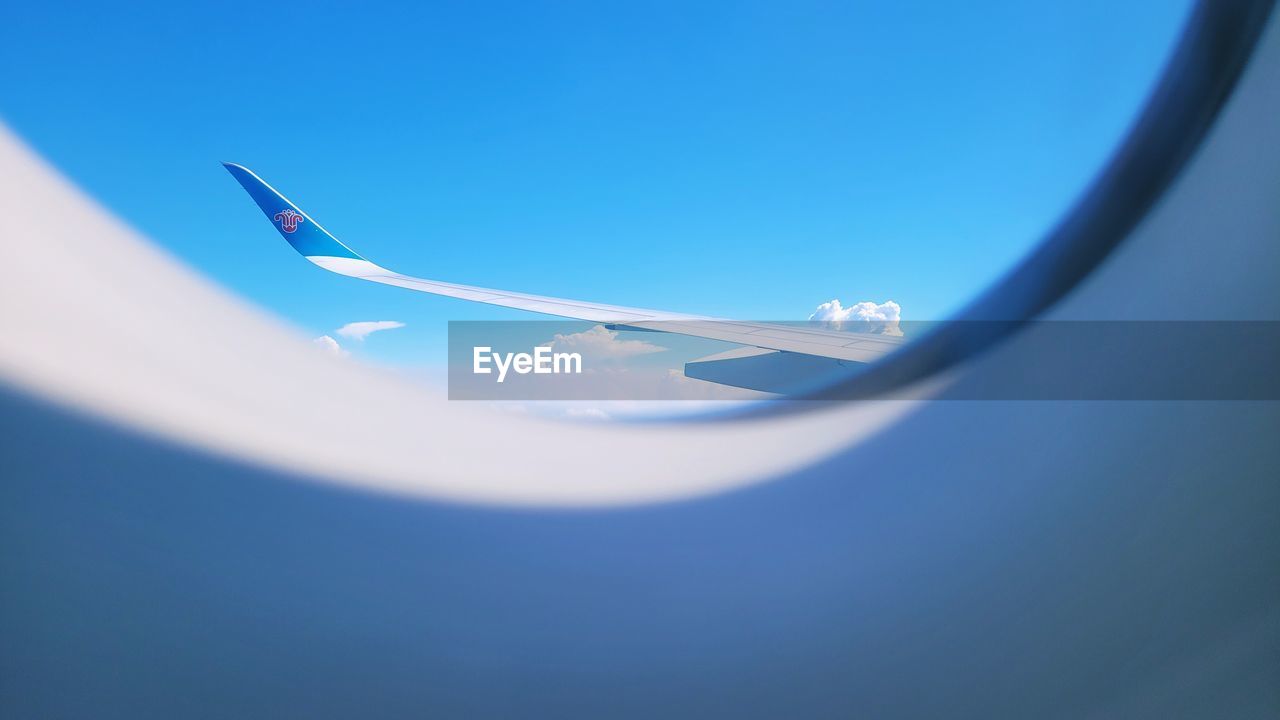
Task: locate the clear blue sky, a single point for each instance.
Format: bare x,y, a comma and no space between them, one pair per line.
747,160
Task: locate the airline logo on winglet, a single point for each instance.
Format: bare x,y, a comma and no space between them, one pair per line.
288,220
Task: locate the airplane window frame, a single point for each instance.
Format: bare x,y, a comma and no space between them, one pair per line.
1215,46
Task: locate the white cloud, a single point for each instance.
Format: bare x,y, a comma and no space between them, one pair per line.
330,346
601,343
882,318
360,330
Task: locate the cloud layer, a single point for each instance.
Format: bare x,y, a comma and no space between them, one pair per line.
601,343
360,330
882,318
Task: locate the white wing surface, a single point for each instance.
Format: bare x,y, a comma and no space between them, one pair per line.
326,251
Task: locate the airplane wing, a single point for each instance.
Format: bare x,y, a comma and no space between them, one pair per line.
323,249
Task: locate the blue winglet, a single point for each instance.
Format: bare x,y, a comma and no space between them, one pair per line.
304,234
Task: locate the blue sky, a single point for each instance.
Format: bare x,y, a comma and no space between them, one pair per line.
747,160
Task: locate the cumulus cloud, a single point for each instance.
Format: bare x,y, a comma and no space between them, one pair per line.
601,343
330,346
360,330
861,317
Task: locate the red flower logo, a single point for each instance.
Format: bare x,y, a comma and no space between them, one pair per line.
288,220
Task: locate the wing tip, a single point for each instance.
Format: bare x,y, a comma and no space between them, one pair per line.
233,168
304,234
